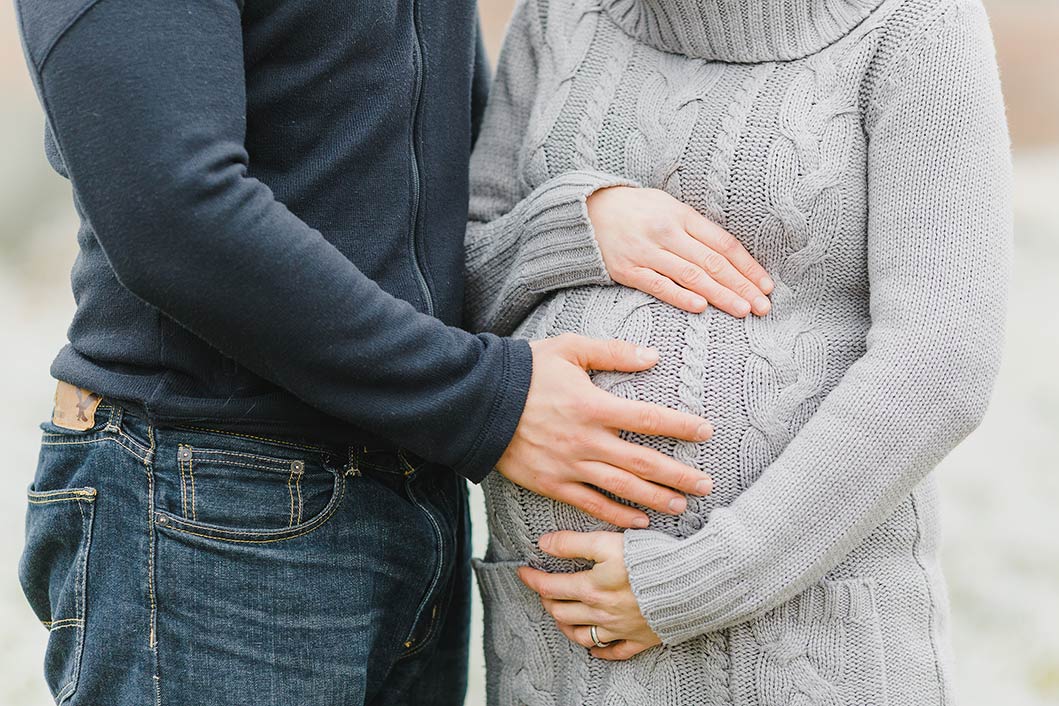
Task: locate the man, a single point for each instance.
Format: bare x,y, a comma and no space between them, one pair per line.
273,202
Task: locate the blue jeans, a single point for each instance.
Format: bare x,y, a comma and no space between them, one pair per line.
194,567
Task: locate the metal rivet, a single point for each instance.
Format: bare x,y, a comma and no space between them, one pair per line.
162,519
185,453
297,466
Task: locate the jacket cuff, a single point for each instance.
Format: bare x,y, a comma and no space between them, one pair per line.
559,249
504,414
686,587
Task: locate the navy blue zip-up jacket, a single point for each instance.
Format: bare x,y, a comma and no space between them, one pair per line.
273,197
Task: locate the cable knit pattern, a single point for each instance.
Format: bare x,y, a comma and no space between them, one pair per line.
858,149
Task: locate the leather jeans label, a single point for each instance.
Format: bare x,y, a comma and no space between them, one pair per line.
75,407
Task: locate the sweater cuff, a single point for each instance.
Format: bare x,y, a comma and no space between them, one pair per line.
559,249
504,413
686,587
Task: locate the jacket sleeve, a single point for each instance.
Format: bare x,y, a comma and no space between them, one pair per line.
147,103
939,241
522,243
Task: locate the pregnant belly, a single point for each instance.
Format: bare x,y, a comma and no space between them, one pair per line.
517,517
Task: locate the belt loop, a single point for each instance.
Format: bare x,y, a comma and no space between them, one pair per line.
353,461
114,421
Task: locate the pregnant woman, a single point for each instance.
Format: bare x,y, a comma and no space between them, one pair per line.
858,150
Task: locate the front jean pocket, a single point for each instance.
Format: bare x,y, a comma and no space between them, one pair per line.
54,572
241,496
822,647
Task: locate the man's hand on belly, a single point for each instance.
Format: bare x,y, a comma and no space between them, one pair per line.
567,444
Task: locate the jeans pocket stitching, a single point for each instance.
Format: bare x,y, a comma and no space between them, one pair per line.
139,453
167,520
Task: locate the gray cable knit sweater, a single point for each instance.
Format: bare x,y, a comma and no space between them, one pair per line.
858,148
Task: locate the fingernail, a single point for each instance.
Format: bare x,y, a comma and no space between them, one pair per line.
742,308
647,355
762,304
641,522
766,284
678,504
703,487
545,541
704,432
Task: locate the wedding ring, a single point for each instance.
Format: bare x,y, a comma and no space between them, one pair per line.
592,632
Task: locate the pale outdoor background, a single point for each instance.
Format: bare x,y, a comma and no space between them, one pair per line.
1000,488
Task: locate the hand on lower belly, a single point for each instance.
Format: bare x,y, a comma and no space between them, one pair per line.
594,608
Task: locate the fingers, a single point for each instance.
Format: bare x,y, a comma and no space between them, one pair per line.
561,587
661,286
582,633
573,612
696,267
577,634
577,545
601,507
616,651
723,242
632,488
656,467
619,651
612,354
650,419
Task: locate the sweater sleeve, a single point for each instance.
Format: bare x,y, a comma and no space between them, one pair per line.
939,247
147,103
521,246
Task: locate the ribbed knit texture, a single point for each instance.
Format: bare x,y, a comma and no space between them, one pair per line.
858,148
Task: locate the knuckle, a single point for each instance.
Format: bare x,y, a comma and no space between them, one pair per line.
656,285
619,484
641,464
585,407
690,274
581,440
726,242
650,420
746,290
593,506
660,228
548,485
713,264
592,597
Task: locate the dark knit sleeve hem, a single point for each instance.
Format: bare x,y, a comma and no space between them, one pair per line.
504,414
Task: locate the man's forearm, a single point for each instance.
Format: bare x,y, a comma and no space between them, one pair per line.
187,230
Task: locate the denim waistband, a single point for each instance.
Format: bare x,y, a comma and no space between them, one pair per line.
352,457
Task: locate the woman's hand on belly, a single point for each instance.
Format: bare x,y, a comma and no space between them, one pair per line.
658,245
600,597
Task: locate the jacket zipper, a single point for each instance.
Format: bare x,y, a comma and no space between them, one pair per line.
418,56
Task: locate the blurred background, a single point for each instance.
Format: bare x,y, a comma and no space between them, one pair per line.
1000,489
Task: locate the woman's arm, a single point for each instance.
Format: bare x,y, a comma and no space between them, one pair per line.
521,246
575,230
940,230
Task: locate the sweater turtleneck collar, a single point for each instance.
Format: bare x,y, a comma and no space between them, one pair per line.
739,30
